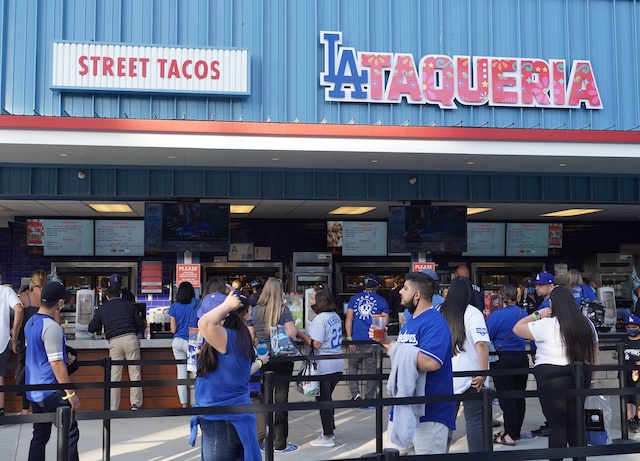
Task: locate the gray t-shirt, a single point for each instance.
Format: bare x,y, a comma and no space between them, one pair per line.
259,322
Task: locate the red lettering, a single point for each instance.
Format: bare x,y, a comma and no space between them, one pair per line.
95,60
200,69
107,66
132,67
144,62
121,65
162,62
215,73
84,69
174,70
185,70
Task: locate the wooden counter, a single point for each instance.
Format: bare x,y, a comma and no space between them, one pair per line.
89,350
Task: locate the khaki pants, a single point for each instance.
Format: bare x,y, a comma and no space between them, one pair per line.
125,347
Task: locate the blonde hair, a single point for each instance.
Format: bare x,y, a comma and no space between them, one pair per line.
574,279
271,299
38,279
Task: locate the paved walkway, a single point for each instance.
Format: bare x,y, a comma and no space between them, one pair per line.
166,438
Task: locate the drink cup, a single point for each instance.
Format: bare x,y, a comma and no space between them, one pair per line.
262,348
379,322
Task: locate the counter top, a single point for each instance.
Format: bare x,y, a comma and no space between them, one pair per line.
81,344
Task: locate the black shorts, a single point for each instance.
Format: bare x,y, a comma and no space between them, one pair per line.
4,358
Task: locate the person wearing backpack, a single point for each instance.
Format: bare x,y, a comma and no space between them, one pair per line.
183,316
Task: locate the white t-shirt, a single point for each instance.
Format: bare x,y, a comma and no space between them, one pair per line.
8,299
326,328
475,330
550,347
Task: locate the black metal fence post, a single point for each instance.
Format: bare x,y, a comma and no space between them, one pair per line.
580,425
622,377
390,454
487,419
378,358
63,423
106,423
268,399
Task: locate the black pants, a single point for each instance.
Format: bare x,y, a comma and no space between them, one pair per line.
281,395
560,412
512,409
42,431
327,416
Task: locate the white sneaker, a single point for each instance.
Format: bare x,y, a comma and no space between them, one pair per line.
322,442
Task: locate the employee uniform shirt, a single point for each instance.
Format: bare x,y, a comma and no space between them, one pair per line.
364,305
46,343
430,333
8,299
475,330
326,328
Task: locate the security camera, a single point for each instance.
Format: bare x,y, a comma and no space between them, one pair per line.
81,174
413,180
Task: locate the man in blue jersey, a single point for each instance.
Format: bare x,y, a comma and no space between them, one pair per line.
360,311
46,364
428,331
545,282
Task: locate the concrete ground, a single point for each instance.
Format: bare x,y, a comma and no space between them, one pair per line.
166,438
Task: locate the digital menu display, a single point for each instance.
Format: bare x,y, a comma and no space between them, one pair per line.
485,239
364,238
64,237
527,239
119,237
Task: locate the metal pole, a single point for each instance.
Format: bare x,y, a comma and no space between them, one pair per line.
378,358
106,423
487,419
390,454
268,399
63,423
622,377
580,427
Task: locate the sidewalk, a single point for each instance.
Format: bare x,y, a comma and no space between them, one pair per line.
166,438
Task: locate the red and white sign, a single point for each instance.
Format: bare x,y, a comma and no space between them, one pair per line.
151,277
418,266
111,67
188,273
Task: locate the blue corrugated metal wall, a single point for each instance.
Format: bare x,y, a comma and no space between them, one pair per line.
283,39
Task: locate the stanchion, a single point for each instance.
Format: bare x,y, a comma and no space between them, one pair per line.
622,378
581,439
106,423
378,358
487,419
268,399
390,454
63,423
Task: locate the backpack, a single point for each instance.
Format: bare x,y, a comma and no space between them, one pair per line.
594,311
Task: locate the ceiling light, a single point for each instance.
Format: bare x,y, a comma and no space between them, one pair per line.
471,163
572,212
374,161
171,157
241,209
275,159
352,210
471,211
111,207
64,155
562,164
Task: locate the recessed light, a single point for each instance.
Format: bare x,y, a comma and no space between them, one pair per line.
562,164
352,210
275,159
64,155
171,157
572,212
241,209
471,211
374,161
471,163
111,207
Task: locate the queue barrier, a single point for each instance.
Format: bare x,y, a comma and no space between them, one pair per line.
63,417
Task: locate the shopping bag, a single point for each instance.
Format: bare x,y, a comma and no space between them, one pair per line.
308,388
281,344
195,344
597,420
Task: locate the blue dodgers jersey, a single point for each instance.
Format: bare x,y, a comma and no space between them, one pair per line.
364,305
430,332
46,343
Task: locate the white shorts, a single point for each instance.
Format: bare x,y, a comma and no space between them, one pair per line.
430,438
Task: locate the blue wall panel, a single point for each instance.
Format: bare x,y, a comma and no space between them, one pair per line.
287,58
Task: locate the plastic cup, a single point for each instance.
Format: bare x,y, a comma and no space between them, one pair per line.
379,322
262,348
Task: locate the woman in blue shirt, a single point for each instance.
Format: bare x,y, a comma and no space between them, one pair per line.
183,316
579,289
224,367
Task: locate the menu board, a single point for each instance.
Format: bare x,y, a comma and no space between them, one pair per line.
119,237
527,239
67,237
485,239
364,238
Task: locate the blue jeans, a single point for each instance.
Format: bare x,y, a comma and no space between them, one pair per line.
42,431
220,441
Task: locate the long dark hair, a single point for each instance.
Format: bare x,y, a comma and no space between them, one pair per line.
208,358
576,330
185,293
453,308
325,301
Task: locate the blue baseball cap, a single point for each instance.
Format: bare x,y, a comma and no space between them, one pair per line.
210,302
545,278
431,273
632,320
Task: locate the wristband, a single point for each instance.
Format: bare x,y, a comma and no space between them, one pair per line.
68,396
535,316
259,361
349,338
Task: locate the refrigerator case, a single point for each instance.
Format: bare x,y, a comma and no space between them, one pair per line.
309,270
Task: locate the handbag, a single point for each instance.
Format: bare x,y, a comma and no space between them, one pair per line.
308,388
281,344
597,420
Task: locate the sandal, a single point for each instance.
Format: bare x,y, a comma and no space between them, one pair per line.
500,440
